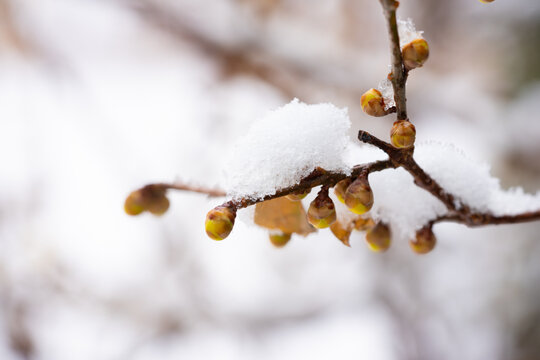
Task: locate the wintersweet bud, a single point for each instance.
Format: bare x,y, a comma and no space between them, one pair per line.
378,237
403,134
363,224
279,239
340,189
220,221
321,212
486,1
134,204
149,198
424,241
359,197
372,103
415,53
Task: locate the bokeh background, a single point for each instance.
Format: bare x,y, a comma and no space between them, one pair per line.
99,97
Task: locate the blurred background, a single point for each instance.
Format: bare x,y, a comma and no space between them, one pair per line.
99,97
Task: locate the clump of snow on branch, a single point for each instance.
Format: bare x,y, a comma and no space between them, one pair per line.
286,145
387,91
407,32
406,207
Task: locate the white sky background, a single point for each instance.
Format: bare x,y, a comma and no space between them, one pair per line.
107,103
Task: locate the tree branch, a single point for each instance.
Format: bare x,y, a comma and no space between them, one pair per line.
457,211
186,187
318,177
399,74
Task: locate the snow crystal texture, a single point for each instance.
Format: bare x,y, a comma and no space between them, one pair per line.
286,145
407,32
387,92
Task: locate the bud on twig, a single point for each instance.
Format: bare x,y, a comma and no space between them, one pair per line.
220,221
379,237
403,134
359,197
372,103
149,198
321,212
341,188
279,239
415,53
424,241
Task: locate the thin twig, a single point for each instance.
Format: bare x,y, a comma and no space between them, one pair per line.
188,187
399,74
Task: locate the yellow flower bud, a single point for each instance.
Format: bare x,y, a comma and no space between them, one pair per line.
159,205
149,198
403,134
279,239
486,1
415,53
359,197
362,224
298,196
134,204
378,237
424,241
373,103
321,212
340,189
219,222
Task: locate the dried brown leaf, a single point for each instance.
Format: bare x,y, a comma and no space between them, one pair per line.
283,214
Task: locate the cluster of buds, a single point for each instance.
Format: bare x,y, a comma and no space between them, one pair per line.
220,221
150,198
356,195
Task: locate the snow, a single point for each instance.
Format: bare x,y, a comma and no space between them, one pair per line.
286,145
387,91
407,32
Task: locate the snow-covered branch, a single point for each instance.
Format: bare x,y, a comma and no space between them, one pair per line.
298,147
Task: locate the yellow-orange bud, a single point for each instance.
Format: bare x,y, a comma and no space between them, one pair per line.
403,134
364,224
279,239
321,212
158,205
486,1
424,241
378,237
134,204
373,103
359,197
340,189
219,222
150,198
415,53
